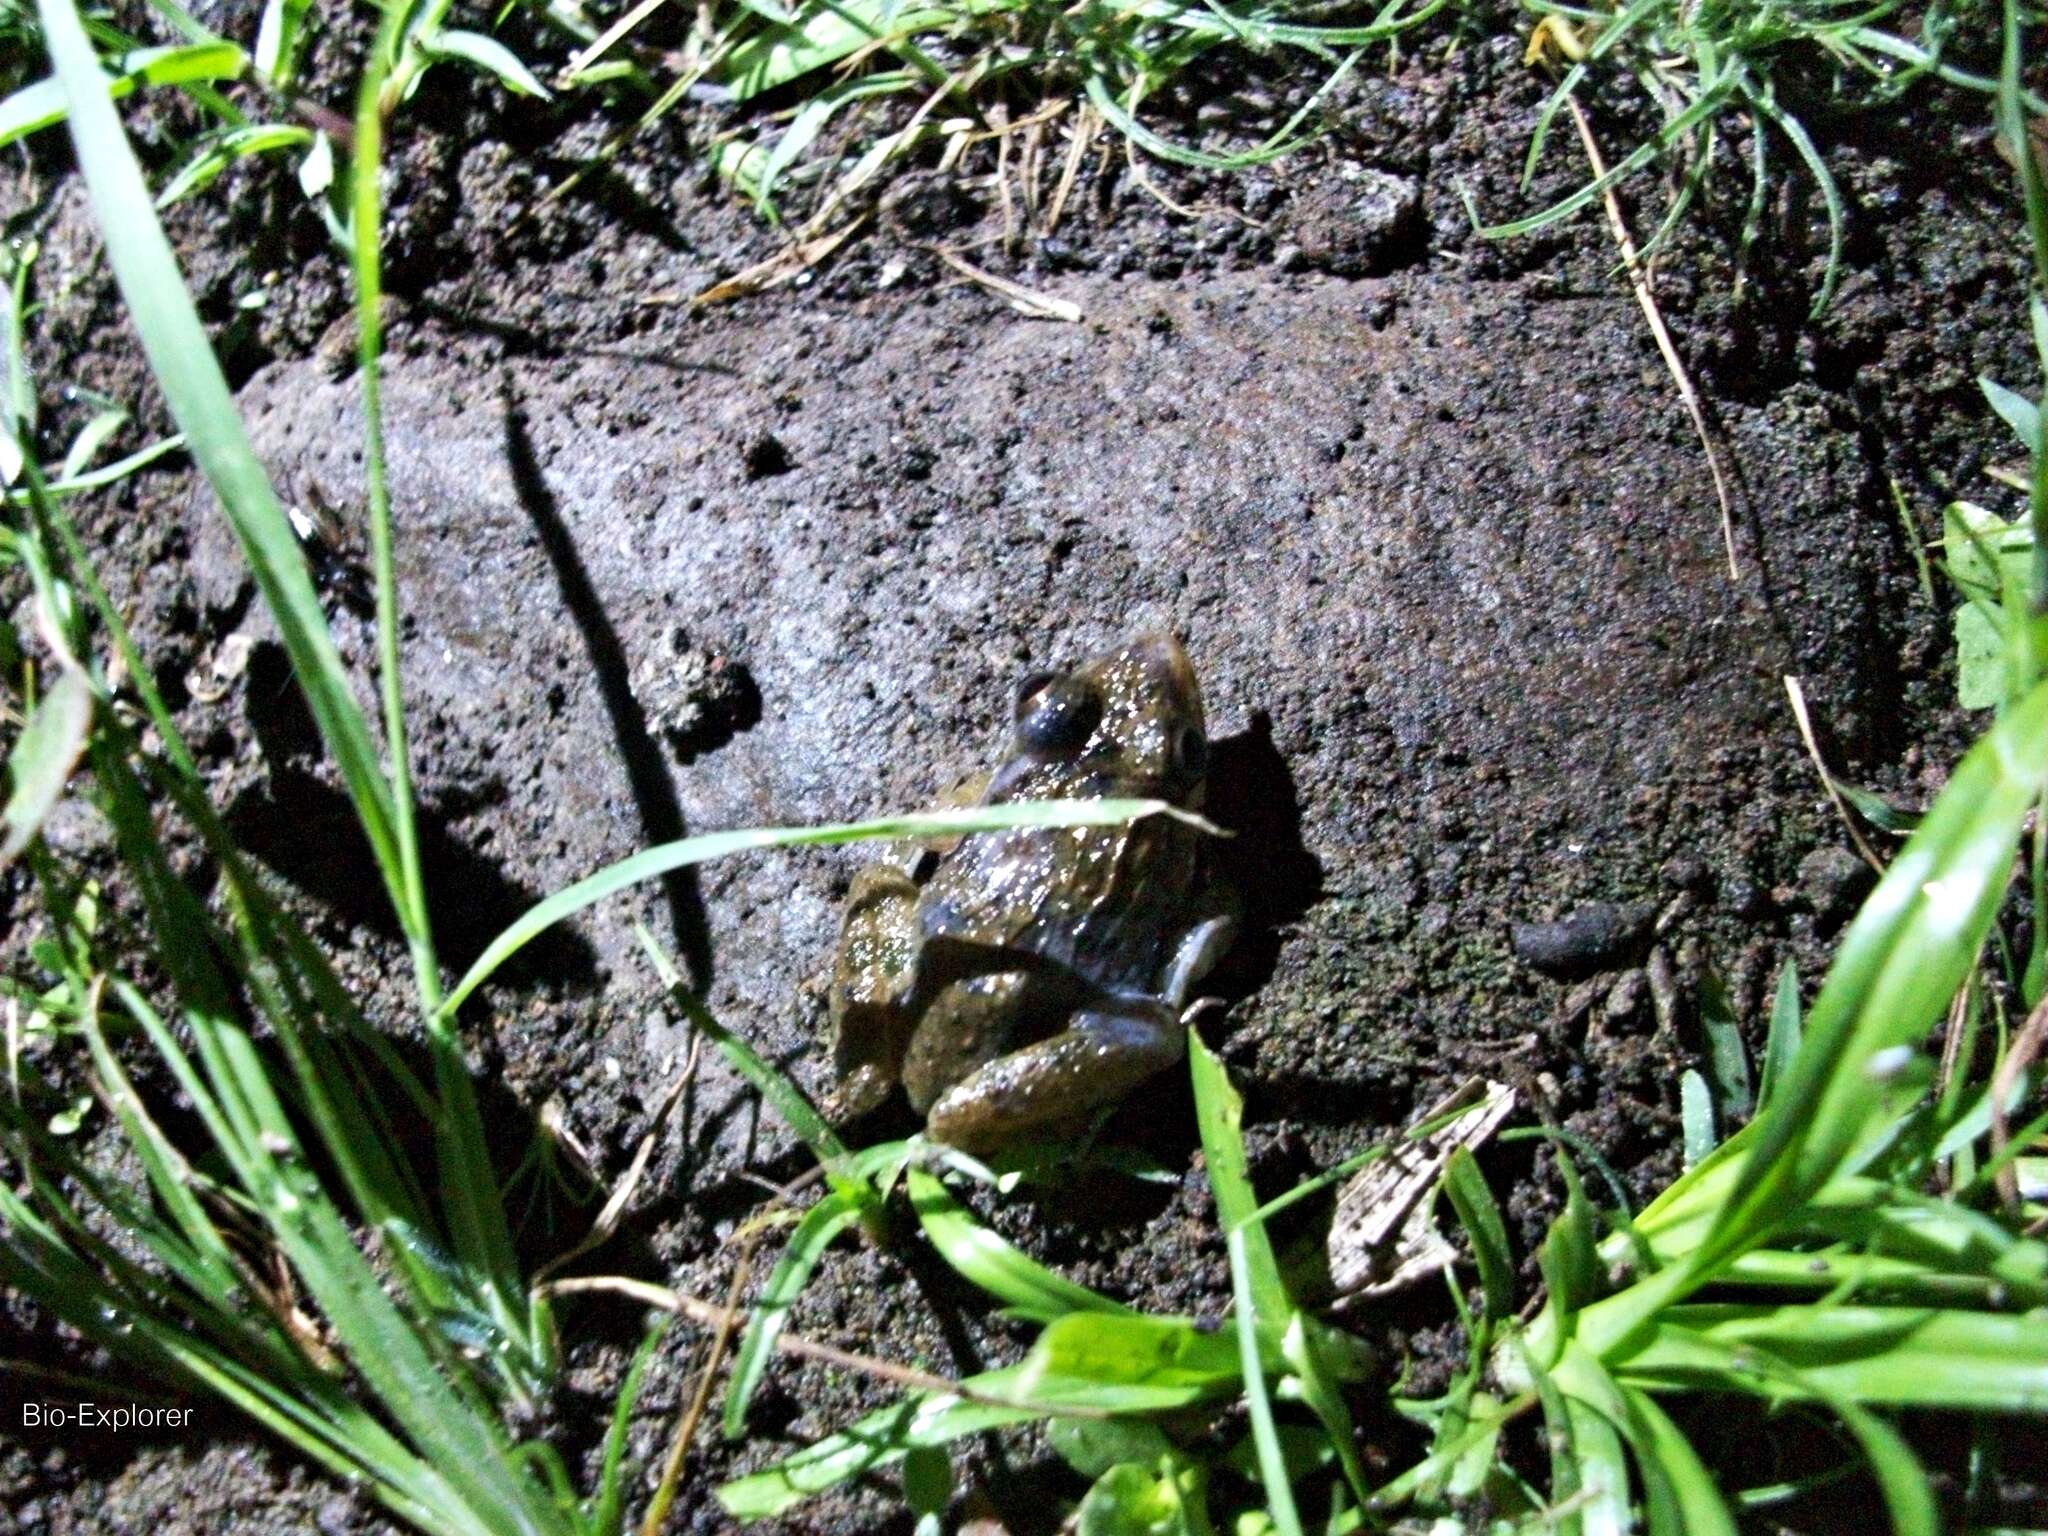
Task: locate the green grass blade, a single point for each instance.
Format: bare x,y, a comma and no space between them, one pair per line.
1480,1215
876,1442
822,1223
1782,1044
1727,1061
1273,1480
106,474
1764,104
183,362
1896,1357
42,760
45,103
1219,1112
1897,966
476,1210
1022,1284
653,863
1696,1507
608,1508
783,1096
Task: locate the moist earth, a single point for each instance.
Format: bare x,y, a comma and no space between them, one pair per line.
1504,743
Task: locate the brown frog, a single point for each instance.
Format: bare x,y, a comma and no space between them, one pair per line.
1022,978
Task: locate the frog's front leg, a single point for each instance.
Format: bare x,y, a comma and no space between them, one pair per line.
872,979
1102,1054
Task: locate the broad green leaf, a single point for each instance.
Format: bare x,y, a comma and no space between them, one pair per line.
1092,1446
927,1480
1133,1363
1161,1497
1990,561
1696,1117
876,1442
41,763
2018,412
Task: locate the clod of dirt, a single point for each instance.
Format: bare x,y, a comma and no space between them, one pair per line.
1833,881
766,456
1596,938
697,698
1359,228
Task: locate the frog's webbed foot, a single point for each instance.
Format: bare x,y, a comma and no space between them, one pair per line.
1099,1058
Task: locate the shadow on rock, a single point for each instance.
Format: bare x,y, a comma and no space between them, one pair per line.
308,833
654,792
1252,793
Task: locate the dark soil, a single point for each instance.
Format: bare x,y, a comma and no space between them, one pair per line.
1426,509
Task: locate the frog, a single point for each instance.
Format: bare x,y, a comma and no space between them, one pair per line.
1016,981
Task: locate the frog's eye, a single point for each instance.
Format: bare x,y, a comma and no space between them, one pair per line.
1059,716
1191,751
1028,691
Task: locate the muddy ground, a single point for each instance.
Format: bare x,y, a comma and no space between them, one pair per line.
1425,508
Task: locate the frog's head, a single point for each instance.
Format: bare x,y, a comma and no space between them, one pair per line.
1126,722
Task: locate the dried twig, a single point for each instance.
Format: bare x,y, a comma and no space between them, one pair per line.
1026,301
1827,780
608,1219
2019,1055
686,1426
1639,280
708,1314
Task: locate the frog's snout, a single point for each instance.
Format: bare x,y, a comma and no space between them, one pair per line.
1166,660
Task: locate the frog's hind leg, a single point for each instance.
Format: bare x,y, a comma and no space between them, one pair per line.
1105,1052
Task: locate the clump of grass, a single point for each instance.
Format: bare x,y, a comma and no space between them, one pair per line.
1708,65
982,71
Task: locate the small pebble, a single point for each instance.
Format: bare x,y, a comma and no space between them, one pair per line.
1602,937
1833,881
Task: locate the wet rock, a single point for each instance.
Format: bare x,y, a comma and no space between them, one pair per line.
1833,881
1411,617
1600,937
1362,227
